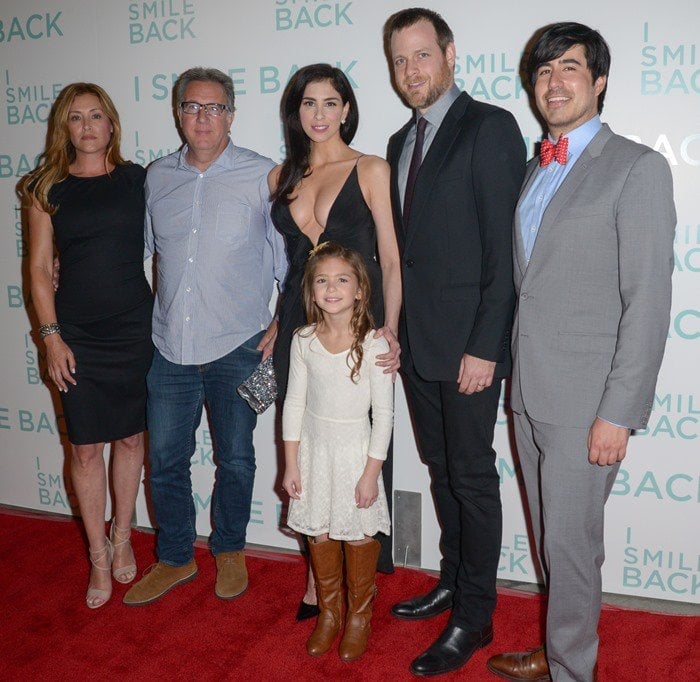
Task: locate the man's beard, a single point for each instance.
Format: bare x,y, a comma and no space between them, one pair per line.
434,93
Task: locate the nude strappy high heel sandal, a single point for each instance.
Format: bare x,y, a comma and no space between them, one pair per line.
119,538
94,593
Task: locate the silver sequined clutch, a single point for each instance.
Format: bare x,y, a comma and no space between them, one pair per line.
259,390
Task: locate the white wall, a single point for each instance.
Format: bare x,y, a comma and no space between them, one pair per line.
136,49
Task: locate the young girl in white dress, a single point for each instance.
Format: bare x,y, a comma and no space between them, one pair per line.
333,453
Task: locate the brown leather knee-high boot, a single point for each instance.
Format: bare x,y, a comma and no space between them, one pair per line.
360,567
327,565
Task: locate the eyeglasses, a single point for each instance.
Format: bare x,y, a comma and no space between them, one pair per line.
210,109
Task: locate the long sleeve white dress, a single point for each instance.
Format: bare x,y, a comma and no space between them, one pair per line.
329,415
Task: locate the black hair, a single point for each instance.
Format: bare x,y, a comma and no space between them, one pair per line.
296,165
556,39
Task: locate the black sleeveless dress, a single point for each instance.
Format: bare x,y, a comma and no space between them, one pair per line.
349,224
103,302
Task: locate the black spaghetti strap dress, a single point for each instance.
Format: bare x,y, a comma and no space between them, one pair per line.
350,223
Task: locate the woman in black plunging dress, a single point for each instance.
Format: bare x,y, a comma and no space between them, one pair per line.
88,203
326,191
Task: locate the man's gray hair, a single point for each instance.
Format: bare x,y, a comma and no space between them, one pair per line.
200,73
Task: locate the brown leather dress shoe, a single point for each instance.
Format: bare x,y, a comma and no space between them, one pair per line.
159,580
231,575
522,665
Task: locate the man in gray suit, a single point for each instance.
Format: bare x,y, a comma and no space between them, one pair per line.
593,258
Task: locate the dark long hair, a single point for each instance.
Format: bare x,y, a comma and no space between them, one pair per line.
296,165
361,321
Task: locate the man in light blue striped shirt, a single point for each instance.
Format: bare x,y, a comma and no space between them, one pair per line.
217,257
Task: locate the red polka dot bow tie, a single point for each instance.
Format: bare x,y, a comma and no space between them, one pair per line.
554,152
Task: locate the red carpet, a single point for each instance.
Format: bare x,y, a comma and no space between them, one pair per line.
49,634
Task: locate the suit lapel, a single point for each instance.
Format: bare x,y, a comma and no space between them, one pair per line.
429,171
395,148
518,245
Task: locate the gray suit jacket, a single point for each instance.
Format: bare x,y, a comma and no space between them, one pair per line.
593,303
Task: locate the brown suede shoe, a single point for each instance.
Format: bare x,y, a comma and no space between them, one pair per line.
231,575
523,665
157,581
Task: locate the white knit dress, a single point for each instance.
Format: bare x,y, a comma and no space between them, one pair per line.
329,415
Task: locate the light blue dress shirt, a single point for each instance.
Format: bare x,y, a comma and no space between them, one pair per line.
547,181
217,253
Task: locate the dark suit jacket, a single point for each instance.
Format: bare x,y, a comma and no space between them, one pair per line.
456,250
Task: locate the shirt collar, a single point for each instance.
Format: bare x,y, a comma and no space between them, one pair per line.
581,136
224,160
437,111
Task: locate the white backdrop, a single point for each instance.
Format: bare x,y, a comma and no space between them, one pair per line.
136,49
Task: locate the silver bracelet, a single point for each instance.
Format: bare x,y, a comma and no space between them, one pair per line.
48,329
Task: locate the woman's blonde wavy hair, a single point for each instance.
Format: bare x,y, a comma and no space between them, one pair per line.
60,152
361,321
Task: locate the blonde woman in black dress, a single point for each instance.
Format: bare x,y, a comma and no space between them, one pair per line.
87,203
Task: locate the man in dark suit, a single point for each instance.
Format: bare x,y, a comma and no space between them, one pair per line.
456,166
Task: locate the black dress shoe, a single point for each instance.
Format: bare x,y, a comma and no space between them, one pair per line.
307,611
428,605
452,649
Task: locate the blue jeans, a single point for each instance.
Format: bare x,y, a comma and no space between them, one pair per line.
176,395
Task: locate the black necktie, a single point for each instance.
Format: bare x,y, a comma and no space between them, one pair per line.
416,161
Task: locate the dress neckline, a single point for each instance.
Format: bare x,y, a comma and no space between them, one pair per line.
325,350
352,173
94,177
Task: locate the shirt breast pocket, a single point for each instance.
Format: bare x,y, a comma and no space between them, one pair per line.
233,223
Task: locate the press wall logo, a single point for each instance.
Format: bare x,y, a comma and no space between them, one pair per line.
292,15
660,570
19,234
33,27
51,488
28,102
29,421
673,415
158,86
676,149
668,68
35,363
489,76
144,155
515,556
273,78
266,79
16,165
685,325
15,297
686,249
161,21
679,487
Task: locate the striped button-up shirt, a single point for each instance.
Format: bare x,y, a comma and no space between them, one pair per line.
217,253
